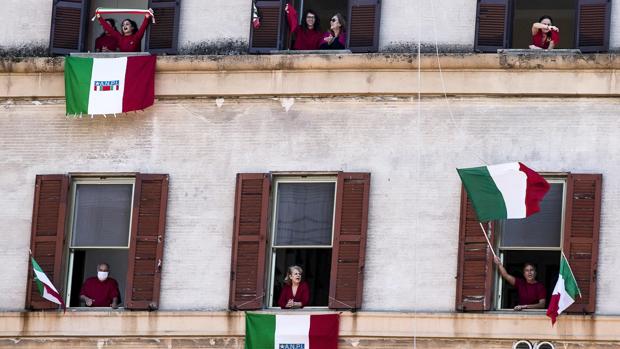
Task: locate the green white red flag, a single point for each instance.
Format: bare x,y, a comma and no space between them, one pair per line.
504,191
45,286
109,85
565,291
270,331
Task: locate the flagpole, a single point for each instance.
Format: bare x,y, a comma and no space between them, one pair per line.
484,232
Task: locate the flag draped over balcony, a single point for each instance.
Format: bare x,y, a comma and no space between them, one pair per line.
109,85
264,331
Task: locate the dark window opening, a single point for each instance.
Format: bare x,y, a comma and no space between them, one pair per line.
325,9
316,264
94,29
527,12
85,266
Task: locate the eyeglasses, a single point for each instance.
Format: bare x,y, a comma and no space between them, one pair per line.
334,20
310,17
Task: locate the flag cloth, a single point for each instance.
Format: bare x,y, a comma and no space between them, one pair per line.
45,286
504,191
109,85
269,331
565,291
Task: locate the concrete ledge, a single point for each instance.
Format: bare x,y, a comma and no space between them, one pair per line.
353,325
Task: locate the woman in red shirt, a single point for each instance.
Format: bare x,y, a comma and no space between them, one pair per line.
295,293
308,35
130,38
545,35
106,42
532,294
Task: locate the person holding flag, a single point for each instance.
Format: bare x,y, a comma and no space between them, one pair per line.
130,37
531,292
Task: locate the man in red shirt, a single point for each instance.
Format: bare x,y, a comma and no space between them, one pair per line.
100,290
532,293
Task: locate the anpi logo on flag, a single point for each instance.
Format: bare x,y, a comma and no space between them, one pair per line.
110,85
291,346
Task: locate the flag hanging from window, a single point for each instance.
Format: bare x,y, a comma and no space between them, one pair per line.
255,16
109,85
504,191
565,291
45,286
291,331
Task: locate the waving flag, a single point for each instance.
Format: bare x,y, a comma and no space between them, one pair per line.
565,291
504,191
45,286
109,85
269,331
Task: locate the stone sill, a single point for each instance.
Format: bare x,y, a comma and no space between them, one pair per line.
493,325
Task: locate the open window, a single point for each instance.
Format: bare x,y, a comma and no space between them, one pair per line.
362,17
73,30
506,24
568,221
117,219
318,222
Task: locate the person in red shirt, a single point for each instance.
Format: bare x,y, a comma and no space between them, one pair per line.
336,37
100,290
544,34
308,35
532,293
130,37
106,42
295,294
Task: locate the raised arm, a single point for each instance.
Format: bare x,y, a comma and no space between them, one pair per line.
107,27
509,278
536,26
145,23
291,17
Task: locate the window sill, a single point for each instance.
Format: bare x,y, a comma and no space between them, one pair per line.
309,52
530,52
107,54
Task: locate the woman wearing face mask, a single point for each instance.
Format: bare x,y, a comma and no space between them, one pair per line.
544,34
335,38
307,35
130,37
295,294
100,290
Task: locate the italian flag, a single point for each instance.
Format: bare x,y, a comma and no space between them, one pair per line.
45,286
109,85
269,331
504,191
565,291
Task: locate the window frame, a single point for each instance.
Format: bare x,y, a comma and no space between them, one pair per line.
69,249
271,265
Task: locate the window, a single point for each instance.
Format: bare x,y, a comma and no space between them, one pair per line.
362,18
117,219
73,30
501,24
569,218
317,221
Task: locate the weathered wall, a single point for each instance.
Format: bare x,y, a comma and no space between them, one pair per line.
414,201
25,22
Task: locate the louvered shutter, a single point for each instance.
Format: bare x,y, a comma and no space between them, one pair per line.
593,25
492,25
47,235
581,233
162,37
146,249
363,25
349,246
474,277
247,275
68,26
267,37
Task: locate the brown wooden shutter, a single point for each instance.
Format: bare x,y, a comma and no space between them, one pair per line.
47,235
146,250
581,230
363,25
349,246
68,26
267,37
162,37
593,25
247,275
474,280
492,25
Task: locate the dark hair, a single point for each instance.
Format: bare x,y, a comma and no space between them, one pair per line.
341,20
317,21
134,26
545,17
112,23
530,264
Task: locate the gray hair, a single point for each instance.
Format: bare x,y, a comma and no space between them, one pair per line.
287,279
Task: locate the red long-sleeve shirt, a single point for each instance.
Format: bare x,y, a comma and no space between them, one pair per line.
302,295
538,39
126,43
305,39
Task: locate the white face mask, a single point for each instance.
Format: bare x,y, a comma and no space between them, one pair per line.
102,275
